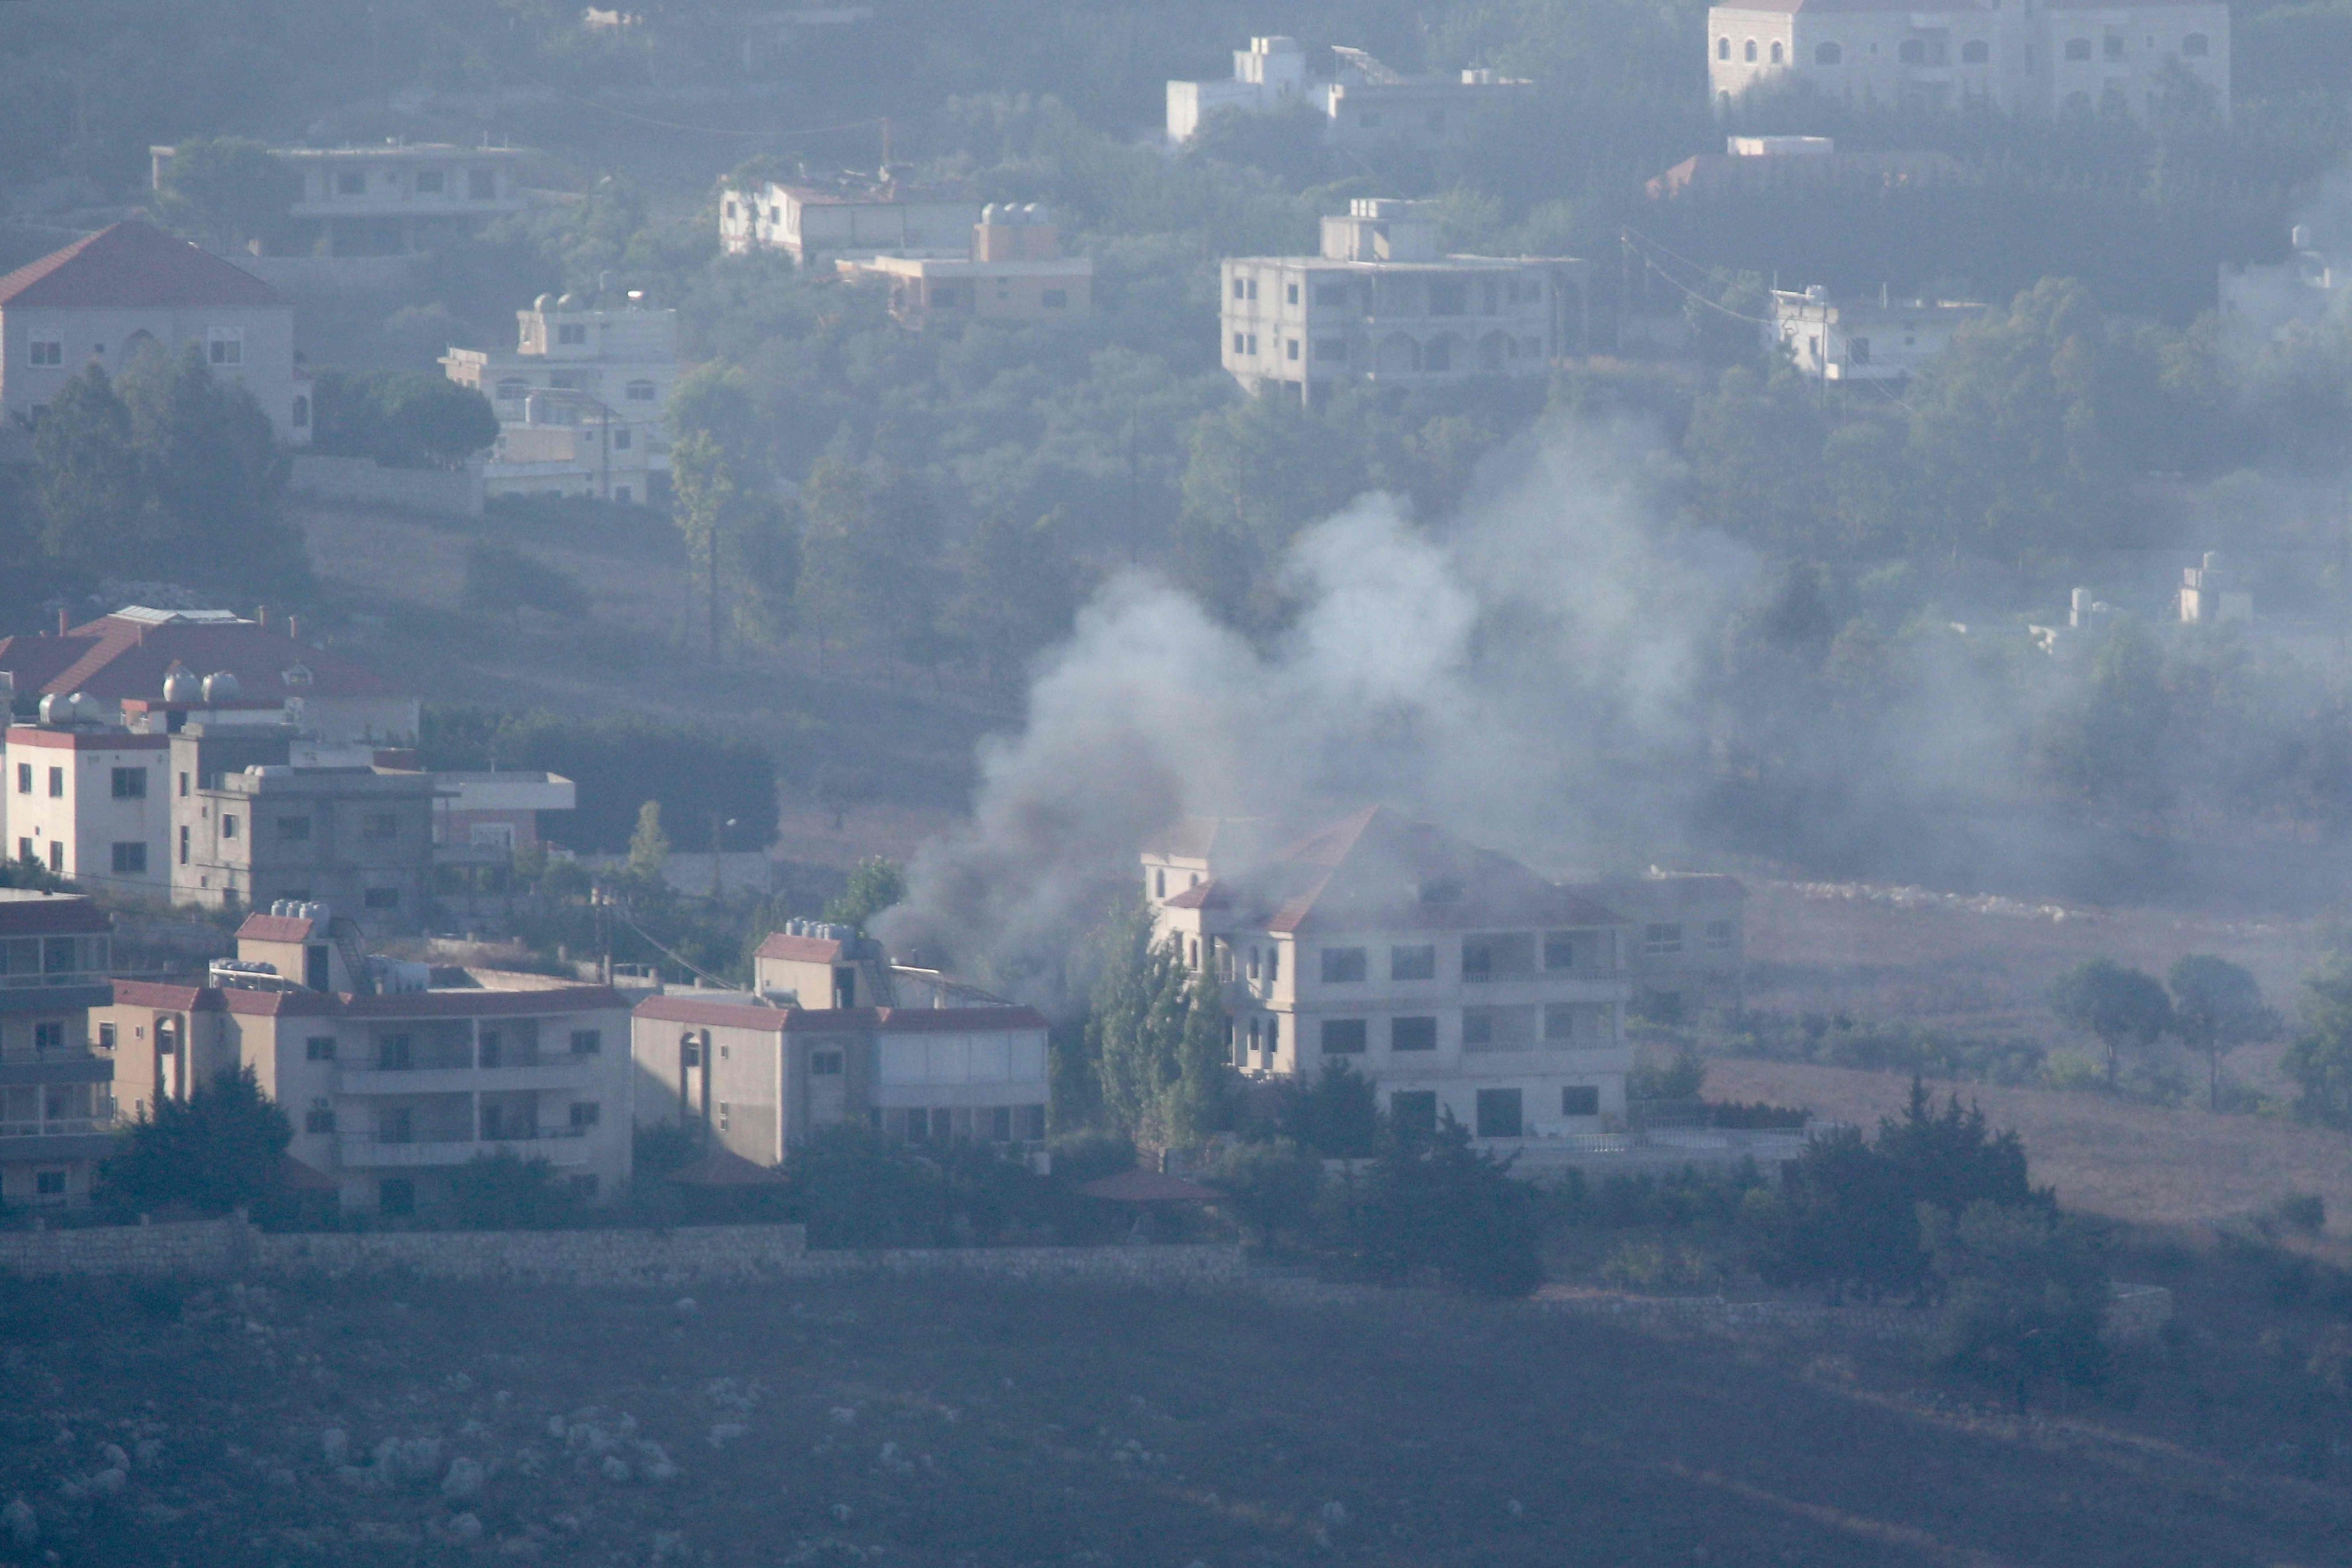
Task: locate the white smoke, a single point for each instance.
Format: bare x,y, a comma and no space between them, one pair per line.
1503,674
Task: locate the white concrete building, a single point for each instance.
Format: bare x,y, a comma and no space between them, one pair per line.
91,802
1885,340
129,288
1456,979
848,219
397,199
1383,304
1362,101
2266,299
2060,57
390,1087
583,399
1012,270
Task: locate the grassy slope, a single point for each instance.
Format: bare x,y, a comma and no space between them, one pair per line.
1425,1420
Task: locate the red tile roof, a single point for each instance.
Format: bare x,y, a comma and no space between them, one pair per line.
468,1004
55,915
713,1015
134,264
800,949
111,658
837,1020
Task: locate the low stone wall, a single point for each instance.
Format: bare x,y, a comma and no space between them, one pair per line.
580,1256
443,492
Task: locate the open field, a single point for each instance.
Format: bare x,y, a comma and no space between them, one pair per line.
936,1423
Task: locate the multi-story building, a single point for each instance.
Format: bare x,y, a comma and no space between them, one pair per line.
1014,271
1456,979
1384,303
848,219
249,828
756,1078
1864,339
398,199
581,399
1686,939
131,288
57,1096
89,800
2126,59
389,1089
1362,103
126,662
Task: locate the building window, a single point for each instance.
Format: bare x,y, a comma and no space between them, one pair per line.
1828,54
1413,1111
224,345
587,1113
1857,351
621,493
1776,51
381,898
1579,1099
1342,966
1160,884
318,1048
392,1054
1560,1023
1413,1034
572,333
293,829
1912,52
1748,51
1498,1114
1252,340
1290,350
24,848
1239,292
351,182
1662,940
228,827
2078,48
48,1036
1560,950
318,1121
1344,1036
130,859
396,1195
512,388
57,784
1273,964
824,1064
1723,48
482,184
48,1184
583,1188
1414,961
1237,343
183,846
380,825
1055,298
45,352
24,778
1251,289
1975,52
1273,1035
621,440
1290,293
1718,936
2112,46
638,392
587,1042
1477,1028
106,1037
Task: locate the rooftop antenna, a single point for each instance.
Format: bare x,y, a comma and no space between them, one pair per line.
885,145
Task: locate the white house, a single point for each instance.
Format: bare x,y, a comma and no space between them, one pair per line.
2060,57
846,219
1864,339
396,199
91,802
1361,103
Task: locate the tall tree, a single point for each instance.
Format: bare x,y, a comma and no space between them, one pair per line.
211,465
2320,1060
94,494
2122,1006
223,1147
2217,1006
1157,1033
229,192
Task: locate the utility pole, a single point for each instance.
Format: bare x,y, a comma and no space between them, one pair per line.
715,843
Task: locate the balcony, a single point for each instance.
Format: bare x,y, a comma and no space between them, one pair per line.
559,1145
550,1073
58,1138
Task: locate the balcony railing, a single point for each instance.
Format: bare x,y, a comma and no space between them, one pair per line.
57,1127
362,1149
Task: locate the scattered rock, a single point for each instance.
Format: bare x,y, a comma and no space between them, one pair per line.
334,1443
685,1306
463,1480
1516,1509
1335,1513
617,1468
465,1527
114,1455
725,1432
23,1524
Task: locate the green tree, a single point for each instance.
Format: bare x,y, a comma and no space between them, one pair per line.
1157,1033
1435,1205
2121,1006
649,846
2320,1060
93,495
1014,591
854,1187
742,541
874,884
402,419
2024,1296
1258,471
2217,1006
228,192
500,579
1754,446
869,563
1336,1115
224,1147
2109,741
1271,1190
505,1191
213,475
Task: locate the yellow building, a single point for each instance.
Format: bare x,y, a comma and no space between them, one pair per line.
1016,272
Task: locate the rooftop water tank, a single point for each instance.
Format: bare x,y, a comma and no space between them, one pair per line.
220,686
180,685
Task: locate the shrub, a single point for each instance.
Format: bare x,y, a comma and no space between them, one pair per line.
224,1147
505,1191
854,1187
1271,1189
1336,1116
2024,1296
498,578
2304,1212
1438,1206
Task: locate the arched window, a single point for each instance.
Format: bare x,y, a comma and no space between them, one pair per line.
1828,54
301,413
1776,52
1749,51
1723,103
1912,52
1723,48
1975,52
2078,48
2195,45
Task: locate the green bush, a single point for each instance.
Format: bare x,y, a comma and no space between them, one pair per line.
1336,1115
505,1191
1435,1206
1271,1189
500,579
222,1148
2024,1296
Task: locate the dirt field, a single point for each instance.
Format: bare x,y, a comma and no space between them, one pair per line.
928,1423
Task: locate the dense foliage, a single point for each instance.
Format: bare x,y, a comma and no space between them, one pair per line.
222,1148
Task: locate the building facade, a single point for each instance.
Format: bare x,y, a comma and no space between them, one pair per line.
131,290
1456,980
1013,270
1383,304
1362,103
583,400
392,1092
1884,339
56,1095
847,220
398,199
90,802
756,1079
1685,940
2135,60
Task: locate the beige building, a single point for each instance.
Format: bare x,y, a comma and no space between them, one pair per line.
1456,979
131,288
1383,304
397,199
1686,939
1014,271
57,1096
2062,58
1862,339
756,1078
849,219
583,399
390,1090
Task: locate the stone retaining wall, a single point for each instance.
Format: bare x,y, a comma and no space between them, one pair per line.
443,492
578,1257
